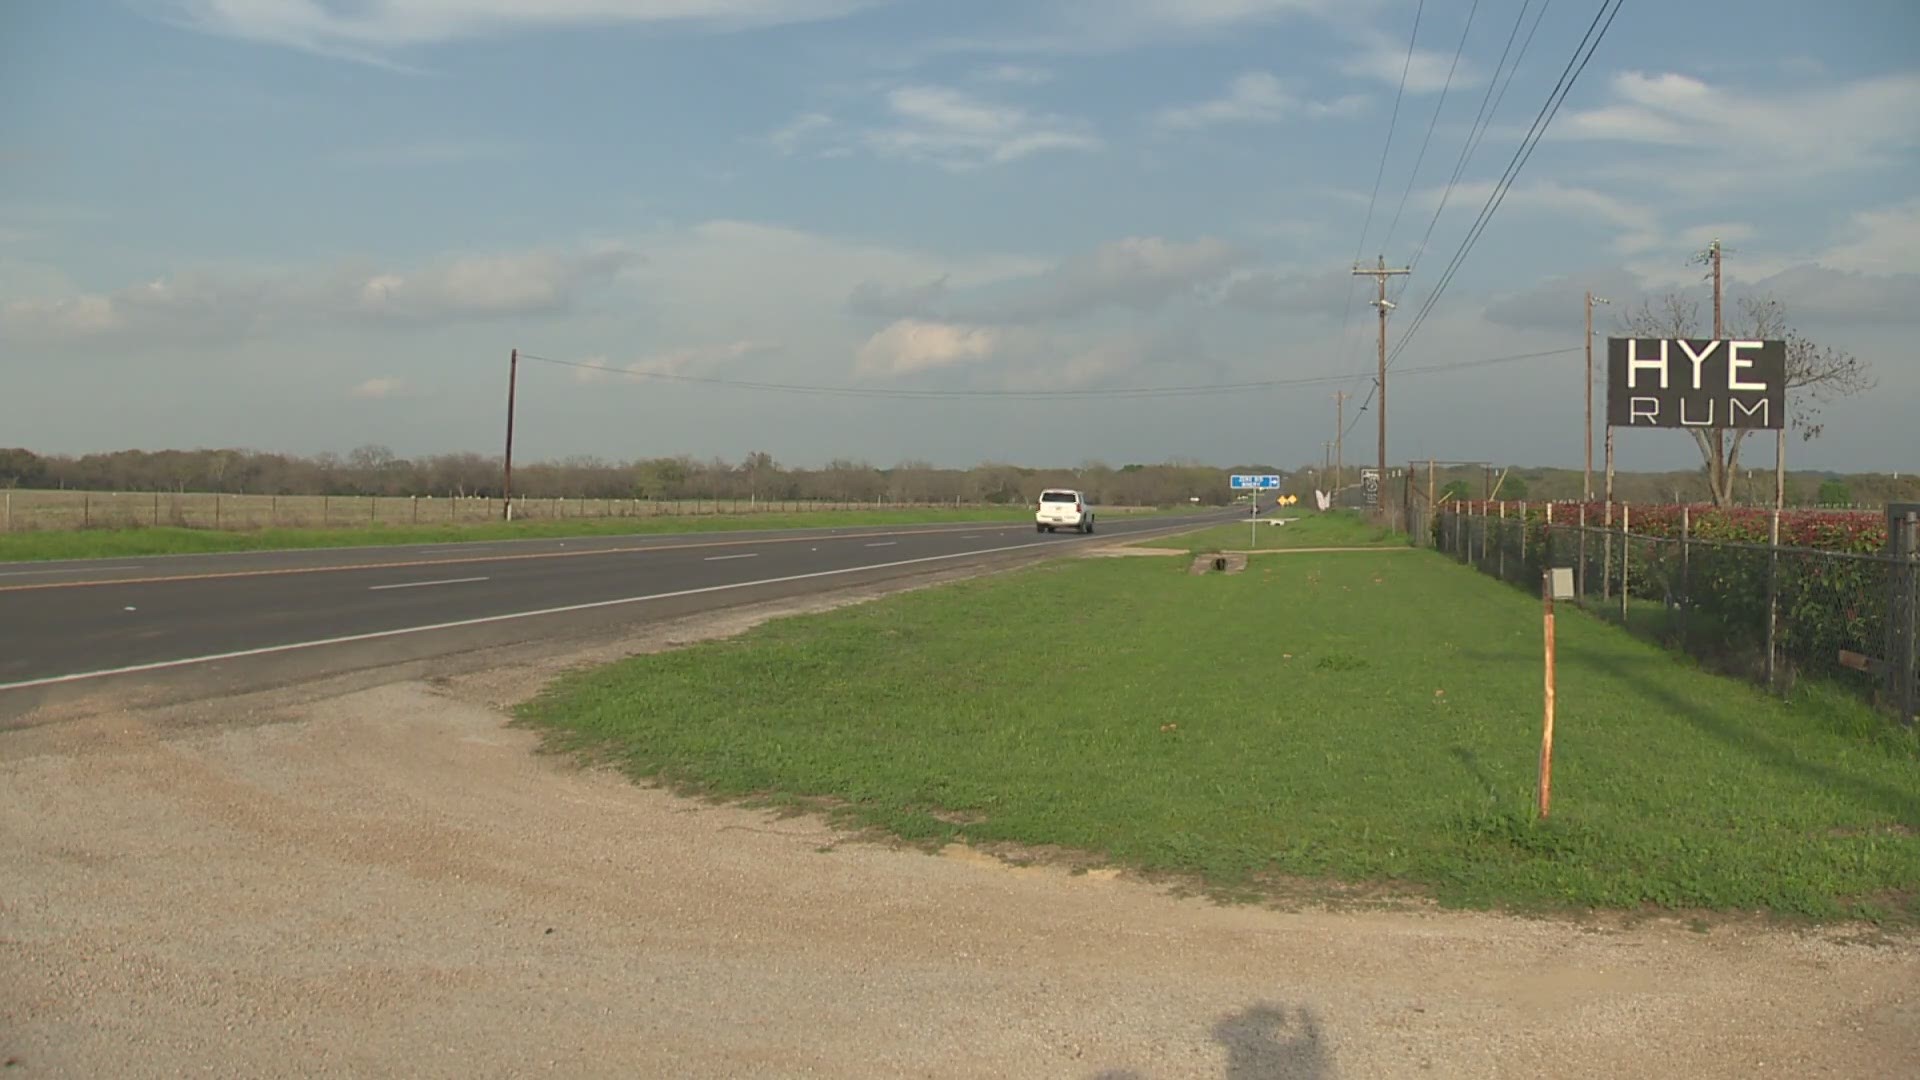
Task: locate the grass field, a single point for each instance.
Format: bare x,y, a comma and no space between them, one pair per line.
1308,529
1326,725
122,543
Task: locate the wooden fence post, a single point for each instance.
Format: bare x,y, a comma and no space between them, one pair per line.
1626,557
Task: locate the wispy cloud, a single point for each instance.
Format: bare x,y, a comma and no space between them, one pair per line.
959,131
1140,272
1014,75
1255,98
1384,58
200,306
368,31
430,152
1754,138
799,131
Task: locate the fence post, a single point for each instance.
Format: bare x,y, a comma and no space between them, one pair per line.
373,509
1546,539
1606,556
86,509
1773,594
1523,535
1502,563
9,527
1626,557
325,503
1903,610
414,508
156,508
1686,571
216,511
1581,585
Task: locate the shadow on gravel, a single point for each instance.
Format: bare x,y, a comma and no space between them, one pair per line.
1264,1042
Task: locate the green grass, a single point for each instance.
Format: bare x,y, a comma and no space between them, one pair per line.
1329,722
1308,530
122,543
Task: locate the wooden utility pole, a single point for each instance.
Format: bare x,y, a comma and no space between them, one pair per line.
1339,436
1587,484
513,383
1380,273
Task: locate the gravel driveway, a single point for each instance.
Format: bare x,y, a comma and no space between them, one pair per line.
387,880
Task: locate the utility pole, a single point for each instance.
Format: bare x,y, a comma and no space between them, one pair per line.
513,384
1339,434
1587,484
1380,273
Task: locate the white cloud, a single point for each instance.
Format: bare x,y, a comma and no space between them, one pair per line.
1255,98
802,128
367,30
1884,240
690,360
380,389
911,345
1383,58
1014,75
430,152
958,131
1138,272
1725,138
1638,226
198,306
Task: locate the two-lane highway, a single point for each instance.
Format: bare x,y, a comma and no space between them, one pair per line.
80,621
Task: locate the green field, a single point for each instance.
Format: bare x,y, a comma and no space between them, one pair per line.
1322,726
1308,529
122,543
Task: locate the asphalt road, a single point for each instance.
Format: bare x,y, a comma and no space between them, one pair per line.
82,622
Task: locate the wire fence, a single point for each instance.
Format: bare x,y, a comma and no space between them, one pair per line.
1770,612
33,511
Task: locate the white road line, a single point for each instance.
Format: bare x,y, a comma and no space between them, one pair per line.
424,584
887,543
75,570
727,558
377,635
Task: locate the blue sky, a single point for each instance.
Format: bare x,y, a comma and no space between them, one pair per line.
304,225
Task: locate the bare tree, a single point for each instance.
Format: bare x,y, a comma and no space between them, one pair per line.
1816,375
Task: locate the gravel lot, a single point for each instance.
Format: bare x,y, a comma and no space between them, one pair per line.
382,878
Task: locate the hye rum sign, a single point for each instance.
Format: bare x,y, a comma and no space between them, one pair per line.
1696,383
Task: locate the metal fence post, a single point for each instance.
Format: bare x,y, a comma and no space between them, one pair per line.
1581,586
1773,595
1523,535
1626,557
1685,599
1606,556
1501,564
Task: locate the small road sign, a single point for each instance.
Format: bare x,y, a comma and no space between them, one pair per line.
1243,481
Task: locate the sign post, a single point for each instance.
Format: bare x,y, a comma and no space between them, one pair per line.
1256,483
1555,584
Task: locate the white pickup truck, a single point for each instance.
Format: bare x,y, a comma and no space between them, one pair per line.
1063,508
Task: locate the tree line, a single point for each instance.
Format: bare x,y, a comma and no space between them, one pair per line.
376,470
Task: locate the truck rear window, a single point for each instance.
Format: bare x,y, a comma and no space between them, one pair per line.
1058,496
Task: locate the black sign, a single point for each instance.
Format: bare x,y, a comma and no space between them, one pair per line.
1370,483
1696,383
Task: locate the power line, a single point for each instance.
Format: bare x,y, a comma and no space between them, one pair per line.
1031,395
1433,122
1386,148
1590,41
1482,120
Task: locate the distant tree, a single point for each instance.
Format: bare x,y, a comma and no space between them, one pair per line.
1835,493
1456,491
1514,488
22,468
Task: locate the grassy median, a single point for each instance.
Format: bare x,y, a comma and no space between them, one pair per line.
1323,723
1303,529
130,542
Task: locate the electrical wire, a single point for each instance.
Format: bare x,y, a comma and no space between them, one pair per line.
1482,120
1122,393
1577,64
1386,148
1433,122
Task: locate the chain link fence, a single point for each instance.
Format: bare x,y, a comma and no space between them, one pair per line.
1766,611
